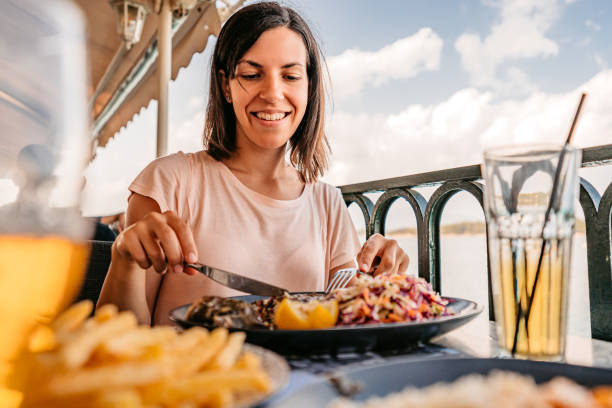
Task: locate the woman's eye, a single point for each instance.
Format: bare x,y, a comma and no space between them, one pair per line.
293,77
249,76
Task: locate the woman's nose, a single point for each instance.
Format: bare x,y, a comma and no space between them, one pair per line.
271,90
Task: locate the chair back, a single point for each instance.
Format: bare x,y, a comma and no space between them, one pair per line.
99,261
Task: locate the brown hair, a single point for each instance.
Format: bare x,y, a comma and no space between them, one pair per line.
309,149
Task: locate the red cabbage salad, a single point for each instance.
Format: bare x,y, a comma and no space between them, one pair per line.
388,299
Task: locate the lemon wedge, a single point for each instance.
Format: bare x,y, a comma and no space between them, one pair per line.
290,316
324,315
294,315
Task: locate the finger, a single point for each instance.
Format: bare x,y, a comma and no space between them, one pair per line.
129,246
168,241
375,263
171,248
153,249
396,263
180,246
404,262
360,254
387,258
185,237
368,252
399,256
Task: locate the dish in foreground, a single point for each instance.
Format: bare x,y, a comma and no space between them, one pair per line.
478,391
109,361
382,299
392,376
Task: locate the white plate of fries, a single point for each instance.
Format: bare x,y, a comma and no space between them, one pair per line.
108,360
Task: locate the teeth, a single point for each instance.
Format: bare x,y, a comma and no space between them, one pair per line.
270,116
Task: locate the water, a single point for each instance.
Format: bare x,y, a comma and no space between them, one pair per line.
464,274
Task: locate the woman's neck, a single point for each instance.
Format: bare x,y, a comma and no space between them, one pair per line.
266,172
262,165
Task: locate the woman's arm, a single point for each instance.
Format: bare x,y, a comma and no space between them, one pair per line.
125,282
151,239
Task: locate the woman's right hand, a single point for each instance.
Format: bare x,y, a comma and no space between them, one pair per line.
161,240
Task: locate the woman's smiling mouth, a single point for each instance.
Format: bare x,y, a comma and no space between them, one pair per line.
270,117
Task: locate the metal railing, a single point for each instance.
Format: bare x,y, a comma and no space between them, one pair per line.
428,212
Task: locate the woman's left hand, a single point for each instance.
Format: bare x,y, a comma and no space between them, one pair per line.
392,258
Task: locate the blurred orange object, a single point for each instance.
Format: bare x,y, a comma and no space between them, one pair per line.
39,277
603,396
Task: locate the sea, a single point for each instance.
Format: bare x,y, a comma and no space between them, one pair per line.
464,274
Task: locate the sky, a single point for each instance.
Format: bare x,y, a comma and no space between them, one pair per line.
416,86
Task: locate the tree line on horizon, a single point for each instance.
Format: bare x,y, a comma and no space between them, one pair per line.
466,227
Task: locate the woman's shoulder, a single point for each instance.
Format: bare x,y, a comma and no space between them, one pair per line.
181,161
326,193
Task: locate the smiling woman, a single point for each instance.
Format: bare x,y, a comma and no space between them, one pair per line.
239,205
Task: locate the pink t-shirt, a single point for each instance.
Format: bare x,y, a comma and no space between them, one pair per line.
289,243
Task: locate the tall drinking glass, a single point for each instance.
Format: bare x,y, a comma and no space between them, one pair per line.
530,255
43,150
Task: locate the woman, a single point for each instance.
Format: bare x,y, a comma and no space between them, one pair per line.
238,205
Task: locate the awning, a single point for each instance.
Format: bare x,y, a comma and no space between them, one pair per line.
124,81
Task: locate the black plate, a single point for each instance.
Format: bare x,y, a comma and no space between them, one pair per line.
350,338
383,379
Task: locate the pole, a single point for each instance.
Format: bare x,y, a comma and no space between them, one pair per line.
164,40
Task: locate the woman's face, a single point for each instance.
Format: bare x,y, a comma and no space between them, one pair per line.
269,92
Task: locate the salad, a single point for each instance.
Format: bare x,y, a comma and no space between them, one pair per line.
388,299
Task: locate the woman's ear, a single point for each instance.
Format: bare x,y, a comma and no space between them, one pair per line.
225,86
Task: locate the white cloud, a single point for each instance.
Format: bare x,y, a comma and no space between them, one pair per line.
594,26
196,102
600,61
187,136
453,133
353,70
520,34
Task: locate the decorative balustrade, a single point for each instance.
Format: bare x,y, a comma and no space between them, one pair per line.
596,207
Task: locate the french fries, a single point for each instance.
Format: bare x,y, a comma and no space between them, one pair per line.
137,342
228,356
72,318
108,361
77,350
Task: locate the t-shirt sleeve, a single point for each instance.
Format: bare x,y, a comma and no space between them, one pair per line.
164,181
343,238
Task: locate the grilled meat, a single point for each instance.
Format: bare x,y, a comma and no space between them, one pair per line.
225,312
266,308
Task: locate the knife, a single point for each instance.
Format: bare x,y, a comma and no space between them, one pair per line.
238,282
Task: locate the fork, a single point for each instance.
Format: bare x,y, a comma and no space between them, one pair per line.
342,278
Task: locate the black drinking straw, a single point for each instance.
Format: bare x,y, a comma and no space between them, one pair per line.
553,194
